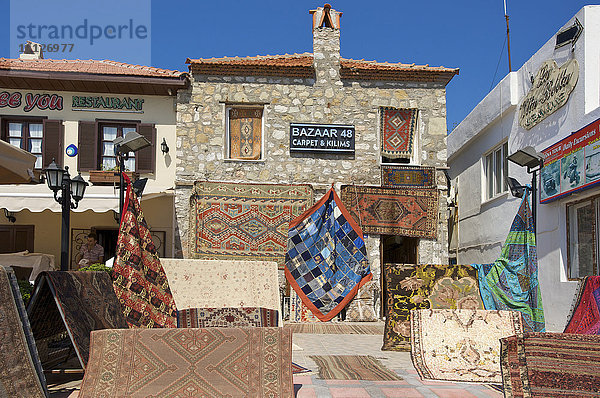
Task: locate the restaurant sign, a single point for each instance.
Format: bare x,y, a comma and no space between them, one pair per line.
550,91
108,104
327,138
572,164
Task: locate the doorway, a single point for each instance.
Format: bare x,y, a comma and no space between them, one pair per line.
395,249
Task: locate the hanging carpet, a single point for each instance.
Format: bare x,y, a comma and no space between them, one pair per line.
407,176
85,301
511,282
411,287
138,278
585,316
460,345
21,373
245,132
299,312
393,211
397,132
209,362
235,221
550,365
326,260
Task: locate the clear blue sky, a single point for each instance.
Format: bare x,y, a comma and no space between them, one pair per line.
464,34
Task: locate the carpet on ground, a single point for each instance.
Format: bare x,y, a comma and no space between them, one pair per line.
336,328
326,260
21,372
460,345
297,369
139,280
223,283
397,132
511,282
299,312
585,315
85,301
407,176
227,317
393,211
410,287
352,367
212,362
235,221
551,365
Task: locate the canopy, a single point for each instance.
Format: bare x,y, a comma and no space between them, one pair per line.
16,165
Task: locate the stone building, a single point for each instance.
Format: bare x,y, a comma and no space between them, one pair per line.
319,88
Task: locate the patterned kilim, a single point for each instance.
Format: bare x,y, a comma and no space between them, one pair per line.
210,362
138,278
410,287
326,262
511,282
393,211
86,301
585,317
226,317
551,365
299,312
336,328
407,176
234,221
460,345
20,372
397,132
352,367
211,283
245,132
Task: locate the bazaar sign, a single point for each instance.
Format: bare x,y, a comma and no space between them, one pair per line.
329,138
571,164
550,91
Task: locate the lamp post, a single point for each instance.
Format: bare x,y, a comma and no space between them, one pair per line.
60,180
534,161
132,142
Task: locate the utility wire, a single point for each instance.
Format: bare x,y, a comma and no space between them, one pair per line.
498,65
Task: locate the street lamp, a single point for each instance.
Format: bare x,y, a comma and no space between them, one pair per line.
60,179
132,142
534,161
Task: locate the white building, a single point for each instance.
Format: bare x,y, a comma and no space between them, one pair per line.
558,122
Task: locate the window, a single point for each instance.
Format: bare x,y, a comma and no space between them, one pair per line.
582,225
97,152
244,133
495,165
41,137
16,238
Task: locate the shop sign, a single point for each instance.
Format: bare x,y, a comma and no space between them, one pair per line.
29,101
550,91
327,138
572,164
108,104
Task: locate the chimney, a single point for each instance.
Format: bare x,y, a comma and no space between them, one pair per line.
32,51
326,45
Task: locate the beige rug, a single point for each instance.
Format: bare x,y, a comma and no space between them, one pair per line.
352,367
461,345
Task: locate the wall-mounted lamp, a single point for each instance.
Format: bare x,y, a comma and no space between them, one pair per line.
164,147
9,216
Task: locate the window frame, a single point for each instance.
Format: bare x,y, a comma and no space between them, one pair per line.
489,193
226,153
25,136
100,137
595,201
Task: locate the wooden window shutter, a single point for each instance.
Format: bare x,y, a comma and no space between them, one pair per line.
52,142
87,157
145,158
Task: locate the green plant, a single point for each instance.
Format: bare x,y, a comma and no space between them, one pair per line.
25,288
96,267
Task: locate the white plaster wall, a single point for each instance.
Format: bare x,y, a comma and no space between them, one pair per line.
483,226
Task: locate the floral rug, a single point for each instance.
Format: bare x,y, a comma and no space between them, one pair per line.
461,345
411,287
352,367
209,362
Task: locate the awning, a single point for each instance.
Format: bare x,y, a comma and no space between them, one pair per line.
16,165
40,201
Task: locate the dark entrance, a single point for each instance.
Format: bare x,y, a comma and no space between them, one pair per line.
395,249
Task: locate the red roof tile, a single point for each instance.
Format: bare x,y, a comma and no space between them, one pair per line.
98,67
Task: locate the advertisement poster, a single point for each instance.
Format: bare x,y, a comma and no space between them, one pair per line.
571,164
